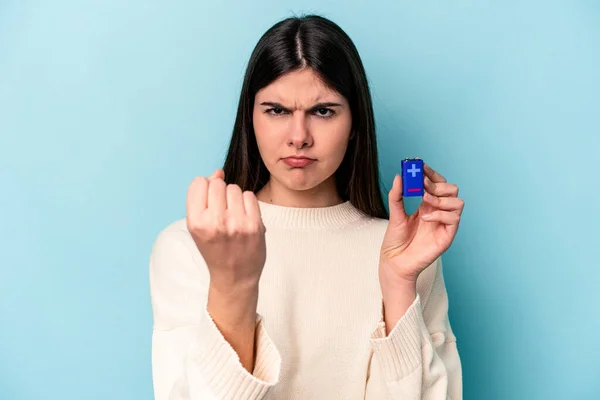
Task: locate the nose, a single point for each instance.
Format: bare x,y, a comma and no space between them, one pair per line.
299,135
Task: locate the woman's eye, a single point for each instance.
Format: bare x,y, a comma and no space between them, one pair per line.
324,112
320,112
275,111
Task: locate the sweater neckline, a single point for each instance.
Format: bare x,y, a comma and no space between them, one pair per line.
336,216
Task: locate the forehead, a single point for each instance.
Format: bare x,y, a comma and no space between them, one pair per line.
298,87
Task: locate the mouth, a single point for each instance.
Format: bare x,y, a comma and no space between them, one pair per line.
298,162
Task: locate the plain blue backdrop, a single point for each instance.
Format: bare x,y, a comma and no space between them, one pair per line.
108,109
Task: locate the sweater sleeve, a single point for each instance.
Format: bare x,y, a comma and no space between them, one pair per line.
191,360
419,358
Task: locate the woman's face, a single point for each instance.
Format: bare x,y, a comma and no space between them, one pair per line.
297,115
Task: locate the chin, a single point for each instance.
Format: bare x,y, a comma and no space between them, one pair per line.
298,179
303,182
302,185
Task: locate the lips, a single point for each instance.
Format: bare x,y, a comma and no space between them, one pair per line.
298,161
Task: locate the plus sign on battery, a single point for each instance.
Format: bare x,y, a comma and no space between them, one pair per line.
414,170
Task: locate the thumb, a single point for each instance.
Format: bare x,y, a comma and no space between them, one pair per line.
217,174
396,201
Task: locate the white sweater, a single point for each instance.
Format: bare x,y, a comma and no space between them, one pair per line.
320,329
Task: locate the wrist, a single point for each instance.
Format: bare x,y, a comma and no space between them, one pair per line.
396,294
233,306
397,299
392,274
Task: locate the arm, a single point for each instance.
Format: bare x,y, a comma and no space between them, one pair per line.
418,359
234,314
191,359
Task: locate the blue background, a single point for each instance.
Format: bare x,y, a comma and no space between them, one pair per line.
108,109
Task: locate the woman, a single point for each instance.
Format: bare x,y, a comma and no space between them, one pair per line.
352,303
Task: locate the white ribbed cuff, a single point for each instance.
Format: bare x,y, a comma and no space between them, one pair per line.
400,352
222,369
267,365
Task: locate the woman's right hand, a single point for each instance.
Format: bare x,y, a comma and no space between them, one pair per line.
227,228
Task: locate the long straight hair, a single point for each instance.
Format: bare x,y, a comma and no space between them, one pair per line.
310,41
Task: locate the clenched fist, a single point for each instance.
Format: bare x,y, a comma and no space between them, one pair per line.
228,230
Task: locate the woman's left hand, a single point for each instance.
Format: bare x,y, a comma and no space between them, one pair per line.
412,242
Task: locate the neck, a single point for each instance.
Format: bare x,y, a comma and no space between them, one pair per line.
336,216
324,195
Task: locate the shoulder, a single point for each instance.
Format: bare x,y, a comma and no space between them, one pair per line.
174,231
379,223
374,226
178,281
174,228
174,246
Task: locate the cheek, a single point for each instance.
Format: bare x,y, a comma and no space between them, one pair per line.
336,134
257,122
338,143
338,152
266,135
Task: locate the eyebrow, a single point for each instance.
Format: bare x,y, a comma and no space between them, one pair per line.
315,107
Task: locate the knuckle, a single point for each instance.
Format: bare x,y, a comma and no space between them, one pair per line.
215,232
252,227
210,226
192,224
233,228
220,221
256,227
198,226
234,231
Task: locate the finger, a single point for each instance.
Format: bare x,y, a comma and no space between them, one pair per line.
251,206
235,203
444,203
444,217
217,174
217,197
432,174
441,189
197,197
396,200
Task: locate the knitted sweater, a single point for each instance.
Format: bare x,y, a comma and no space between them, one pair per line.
320,332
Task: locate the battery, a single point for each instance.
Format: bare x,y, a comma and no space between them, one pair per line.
412,177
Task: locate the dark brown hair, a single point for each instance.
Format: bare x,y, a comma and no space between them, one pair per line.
315,42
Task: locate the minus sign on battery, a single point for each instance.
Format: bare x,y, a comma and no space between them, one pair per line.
414,189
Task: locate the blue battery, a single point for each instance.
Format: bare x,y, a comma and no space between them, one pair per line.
412,177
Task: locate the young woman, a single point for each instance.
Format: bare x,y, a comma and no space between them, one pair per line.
287,279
